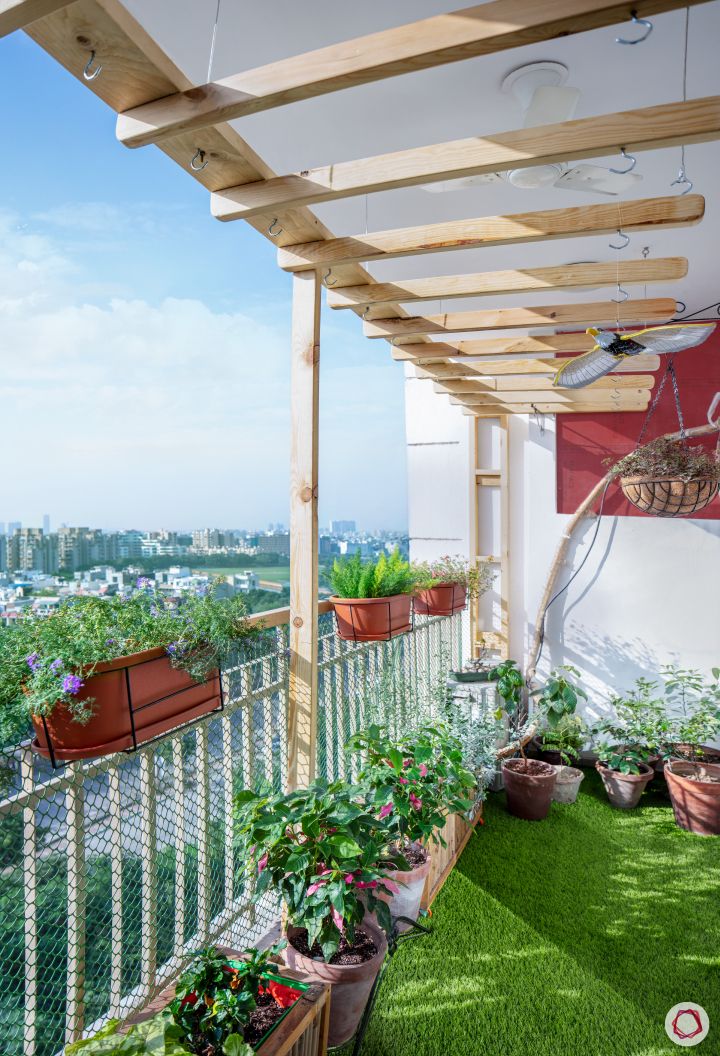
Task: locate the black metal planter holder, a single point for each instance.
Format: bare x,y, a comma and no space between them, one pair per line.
133,711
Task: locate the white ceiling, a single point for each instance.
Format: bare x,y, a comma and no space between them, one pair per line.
455,101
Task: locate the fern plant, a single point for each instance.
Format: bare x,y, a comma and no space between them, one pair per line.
352,577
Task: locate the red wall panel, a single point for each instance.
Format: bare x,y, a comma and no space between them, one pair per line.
584,440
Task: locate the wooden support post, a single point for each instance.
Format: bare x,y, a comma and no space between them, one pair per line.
304,379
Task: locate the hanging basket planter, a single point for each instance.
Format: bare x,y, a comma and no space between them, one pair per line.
372,619
443,600
668,496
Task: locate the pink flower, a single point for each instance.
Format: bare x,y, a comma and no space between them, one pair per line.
391,885
384,811
423,770
350,878
316,886
417,803
262,862
407,763
338,921
366,883
403,780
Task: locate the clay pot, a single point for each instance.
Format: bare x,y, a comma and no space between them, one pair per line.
668,496
567,786
372,619
412,884
351,983
696,802
162,697
442,600
624,790
529,787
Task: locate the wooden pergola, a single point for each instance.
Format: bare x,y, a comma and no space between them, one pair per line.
157,104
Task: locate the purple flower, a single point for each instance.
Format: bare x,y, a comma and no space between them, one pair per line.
72,684
56,665
142,582
172,648
33,661
109,641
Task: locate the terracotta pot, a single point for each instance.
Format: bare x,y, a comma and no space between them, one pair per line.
624,790
162,697
668,496
442,600
412,884
351,983
567,786
372,619
696,803
529,794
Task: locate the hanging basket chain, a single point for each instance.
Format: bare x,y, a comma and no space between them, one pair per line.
676,394
653,405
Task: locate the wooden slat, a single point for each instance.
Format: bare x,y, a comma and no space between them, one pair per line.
444,38
548,408
638,215
542,345
646,128
525,367
506,385
519,280
652,310
303,682
551,396
16,14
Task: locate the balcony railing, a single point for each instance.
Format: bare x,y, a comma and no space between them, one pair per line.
115,871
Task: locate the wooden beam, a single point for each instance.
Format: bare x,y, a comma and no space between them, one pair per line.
445,38
504,386
629,397
16,14
646,128
303,669
655,310
546,408
642,214
521,367
518,280
540,345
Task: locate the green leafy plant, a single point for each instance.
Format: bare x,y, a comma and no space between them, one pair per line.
352,577
639,725
475,577
693,710
413,782
321,849
560,694
669,458
510,683
566,737
47,660
626,759
158,1036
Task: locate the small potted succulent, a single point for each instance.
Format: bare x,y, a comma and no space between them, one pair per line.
224,1003
444,587
669,478
411,785
318,847
631,743
372,599
692,771
529,783
102,675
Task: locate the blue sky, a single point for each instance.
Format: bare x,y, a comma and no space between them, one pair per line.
145,346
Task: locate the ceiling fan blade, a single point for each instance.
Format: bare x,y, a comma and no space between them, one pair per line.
583,370
672,338
596,180
551,104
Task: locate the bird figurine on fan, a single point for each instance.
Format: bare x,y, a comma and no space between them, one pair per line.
612,348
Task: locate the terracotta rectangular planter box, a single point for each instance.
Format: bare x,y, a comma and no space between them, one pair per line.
372,619
136,698
303,1030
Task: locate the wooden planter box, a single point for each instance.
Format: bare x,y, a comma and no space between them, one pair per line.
456,832
302,1032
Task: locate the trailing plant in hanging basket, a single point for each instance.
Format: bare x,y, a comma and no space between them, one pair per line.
669,478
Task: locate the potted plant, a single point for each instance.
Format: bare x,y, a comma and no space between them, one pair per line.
479,668
224,1003
318,847
637,733
669,478
529,783
411,785
102,675
444,587
625,772
692,775
372,599
560,746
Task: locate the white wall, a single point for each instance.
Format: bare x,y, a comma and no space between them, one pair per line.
648,595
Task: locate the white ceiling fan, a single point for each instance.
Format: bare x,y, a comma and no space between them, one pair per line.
545,99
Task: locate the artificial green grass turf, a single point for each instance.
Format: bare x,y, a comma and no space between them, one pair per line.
572,936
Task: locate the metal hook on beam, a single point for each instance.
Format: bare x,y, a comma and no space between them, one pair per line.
625,295
625,244
271,230
326,278
682,178
199,154
628,157
88,66
637,22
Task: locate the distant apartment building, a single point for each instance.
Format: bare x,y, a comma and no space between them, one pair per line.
208,539
342,527
129,544
328,546
244,581
277,543
3,552
30,548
